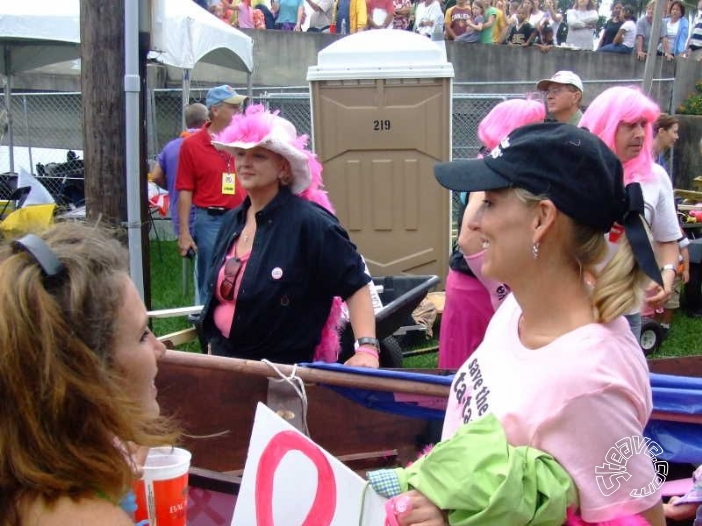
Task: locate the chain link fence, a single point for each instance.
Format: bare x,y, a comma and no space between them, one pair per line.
47,128
47,125
48,139
47,133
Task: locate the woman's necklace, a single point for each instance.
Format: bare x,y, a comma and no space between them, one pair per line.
246,236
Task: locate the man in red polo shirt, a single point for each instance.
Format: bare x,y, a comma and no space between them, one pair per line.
206,180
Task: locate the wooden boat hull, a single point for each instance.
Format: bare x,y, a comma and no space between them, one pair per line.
216,407
215,400
678,366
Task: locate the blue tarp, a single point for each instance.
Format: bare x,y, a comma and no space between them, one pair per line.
681,442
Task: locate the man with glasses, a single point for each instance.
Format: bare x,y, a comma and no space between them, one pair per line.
206,180
563,94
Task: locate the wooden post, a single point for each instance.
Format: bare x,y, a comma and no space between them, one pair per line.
651,51
102,85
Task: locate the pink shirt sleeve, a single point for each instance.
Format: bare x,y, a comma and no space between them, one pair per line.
597,438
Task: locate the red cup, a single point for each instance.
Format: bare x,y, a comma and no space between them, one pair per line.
162,493
332,28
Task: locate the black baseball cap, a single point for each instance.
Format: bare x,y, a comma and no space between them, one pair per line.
567,164
570,166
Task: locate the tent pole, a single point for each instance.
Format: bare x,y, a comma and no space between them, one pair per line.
131,92
651,52
186,271
29,137
249,85
8,107
185,97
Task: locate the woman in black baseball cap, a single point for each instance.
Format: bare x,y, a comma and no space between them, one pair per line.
559,367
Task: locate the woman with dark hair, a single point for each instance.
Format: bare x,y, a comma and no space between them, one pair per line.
665,135
612,25
76,380
625,38
677,29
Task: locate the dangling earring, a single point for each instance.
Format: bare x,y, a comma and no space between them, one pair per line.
535,250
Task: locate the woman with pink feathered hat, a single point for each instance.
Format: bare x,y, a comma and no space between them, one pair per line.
282,262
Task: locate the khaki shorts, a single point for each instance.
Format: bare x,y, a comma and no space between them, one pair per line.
674,300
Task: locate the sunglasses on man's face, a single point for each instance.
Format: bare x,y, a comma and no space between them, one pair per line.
231,271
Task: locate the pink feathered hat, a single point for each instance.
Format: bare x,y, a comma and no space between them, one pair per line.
260,128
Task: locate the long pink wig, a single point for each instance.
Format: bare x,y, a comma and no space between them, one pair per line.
253,126
629,105
507,116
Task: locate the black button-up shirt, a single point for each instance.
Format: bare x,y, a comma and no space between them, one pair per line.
301,258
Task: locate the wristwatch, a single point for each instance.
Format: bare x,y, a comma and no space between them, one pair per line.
670,266
371,342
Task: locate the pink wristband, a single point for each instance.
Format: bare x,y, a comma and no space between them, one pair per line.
396,507
367,349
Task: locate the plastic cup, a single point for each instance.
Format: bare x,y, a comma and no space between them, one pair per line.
162,493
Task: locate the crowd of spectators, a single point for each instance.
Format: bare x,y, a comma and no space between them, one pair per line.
516,23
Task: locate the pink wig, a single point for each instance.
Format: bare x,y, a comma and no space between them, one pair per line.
253,126
507,116
629,105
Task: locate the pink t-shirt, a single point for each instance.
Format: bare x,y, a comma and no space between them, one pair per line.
575,398
245,18
223,314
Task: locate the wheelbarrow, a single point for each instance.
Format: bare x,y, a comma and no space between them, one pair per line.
652,333
400,295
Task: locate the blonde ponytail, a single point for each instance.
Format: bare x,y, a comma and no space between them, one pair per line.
617,287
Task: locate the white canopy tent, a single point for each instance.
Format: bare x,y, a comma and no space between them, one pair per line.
182,34
31,37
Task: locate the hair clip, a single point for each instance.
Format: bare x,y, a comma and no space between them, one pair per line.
50,265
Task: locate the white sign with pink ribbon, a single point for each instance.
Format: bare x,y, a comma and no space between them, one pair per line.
291,481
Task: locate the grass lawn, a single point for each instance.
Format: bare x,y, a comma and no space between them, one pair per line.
167,288
167,291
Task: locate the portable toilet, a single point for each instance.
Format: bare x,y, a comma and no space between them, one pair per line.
381,119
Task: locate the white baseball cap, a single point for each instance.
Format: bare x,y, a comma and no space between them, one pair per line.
567,78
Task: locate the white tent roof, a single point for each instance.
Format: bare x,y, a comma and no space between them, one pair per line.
184,34
33,36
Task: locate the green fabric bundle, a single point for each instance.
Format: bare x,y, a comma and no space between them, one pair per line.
482,480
